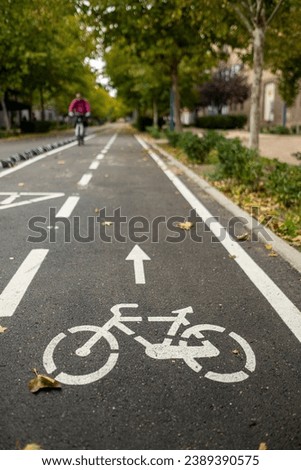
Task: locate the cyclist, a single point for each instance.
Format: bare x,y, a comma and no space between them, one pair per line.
80,106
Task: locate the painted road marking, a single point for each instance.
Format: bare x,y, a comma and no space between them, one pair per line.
68,207
35,197
287,311
85,179
100,157
41,157
94,165
18,285
138,256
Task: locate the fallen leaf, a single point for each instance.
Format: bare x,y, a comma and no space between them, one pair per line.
32,446
243,237
272,253
96,210
185,225
107,223
42,381
2,329
268,247
232,256
297,239
236,352
263,446
21,184
61,162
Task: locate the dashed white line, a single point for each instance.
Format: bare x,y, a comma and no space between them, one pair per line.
16,288
85,179
94,165
68,207
100,157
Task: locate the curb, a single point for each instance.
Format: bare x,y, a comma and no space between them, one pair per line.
287,252
11,160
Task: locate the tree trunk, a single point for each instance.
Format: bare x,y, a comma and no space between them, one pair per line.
155,114
5,113
42,105
258,45
176,95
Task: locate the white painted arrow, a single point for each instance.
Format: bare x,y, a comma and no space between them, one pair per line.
138,256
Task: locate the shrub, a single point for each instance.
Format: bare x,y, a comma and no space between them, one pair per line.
154,132
220,121
143,122
173,138
35,126
192,146
239,162
284,182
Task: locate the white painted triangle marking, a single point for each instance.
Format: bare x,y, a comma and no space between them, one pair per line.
8,201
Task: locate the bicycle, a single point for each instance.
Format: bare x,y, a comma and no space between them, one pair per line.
79,128
159,351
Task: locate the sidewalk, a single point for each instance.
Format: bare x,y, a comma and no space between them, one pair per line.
271,146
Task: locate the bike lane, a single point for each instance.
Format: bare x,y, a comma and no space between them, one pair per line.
144,402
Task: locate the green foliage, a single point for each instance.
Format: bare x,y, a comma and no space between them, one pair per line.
35,126
284,181
192,146
173,138
238,162
154,132
221,121
143,122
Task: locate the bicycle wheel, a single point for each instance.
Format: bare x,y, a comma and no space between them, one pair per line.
238,376
84,379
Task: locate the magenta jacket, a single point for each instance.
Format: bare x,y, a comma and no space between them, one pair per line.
79,106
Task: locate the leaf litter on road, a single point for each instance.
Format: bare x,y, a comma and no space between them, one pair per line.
185,225
42,381
2,329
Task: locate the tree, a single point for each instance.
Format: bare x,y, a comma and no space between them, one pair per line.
159,32
256,17
283,54
225,88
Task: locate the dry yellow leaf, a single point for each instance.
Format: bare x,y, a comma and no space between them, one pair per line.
236,352
107,223
232,256
42,381
2,329
243,237
272,253
185,225
268,247
263,446
32,446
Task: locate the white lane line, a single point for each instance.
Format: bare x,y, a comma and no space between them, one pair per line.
16,288
68,207
94,165
41,157
100,157
287,311
111,141
85,179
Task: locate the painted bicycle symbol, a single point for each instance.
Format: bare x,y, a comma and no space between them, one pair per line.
190,354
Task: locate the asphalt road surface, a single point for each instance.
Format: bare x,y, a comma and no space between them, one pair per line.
161,337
